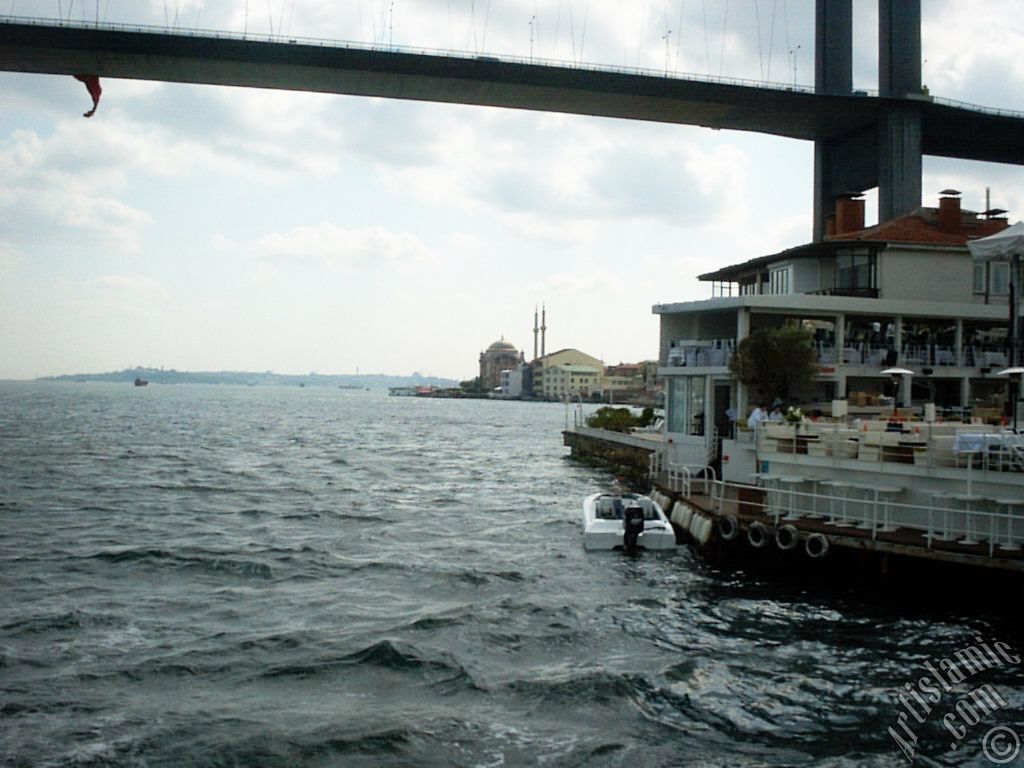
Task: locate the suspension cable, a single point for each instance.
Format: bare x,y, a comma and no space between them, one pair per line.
679,36
760,52
707,46
725,22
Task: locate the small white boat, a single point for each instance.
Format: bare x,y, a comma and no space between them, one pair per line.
613,521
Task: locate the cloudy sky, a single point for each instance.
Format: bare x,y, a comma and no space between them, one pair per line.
209,228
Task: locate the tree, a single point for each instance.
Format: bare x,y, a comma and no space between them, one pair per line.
776,362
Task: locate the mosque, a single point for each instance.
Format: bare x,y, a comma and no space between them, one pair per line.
500,356
503,356
554,375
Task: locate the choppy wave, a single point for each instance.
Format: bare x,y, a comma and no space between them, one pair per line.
282,577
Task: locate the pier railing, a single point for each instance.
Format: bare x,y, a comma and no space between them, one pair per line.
967,522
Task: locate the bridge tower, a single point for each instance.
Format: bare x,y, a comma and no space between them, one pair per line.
889,156
899,78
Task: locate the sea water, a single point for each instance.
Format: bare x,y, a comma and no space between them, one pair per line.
233,576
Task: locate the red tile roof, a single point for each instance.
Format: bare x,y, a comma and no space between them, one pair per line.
922,226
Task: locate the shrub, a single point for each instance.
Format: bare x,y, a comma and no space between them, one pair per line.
615,419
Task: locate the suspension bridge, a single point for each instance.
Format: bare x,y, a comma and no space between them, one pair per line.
862,139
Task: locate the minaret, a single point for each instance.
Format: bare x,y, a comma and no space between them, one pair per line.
534,331
543,327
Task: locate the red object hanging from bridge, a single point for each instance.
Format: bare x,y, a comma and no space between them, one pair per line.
92,83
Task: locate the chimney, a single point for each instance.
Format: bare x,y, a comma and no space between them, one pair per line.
949,211
849,215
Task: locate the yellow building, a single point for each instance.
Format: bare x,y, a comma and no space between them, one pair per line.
567,371
563,380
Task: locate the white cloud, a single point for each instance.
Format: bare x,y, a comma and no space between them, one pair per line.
55,190
333,247
974,53
134,286
9,260
130,295
597,284
197,207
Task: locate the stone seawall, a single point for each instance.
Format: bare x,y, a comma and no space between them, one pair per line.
625,455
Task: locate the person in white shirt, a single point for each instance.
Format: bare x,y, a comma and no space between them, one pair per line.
757,415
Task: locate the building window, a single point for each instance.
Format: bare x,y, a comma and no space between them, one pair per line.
696,426
999,278
686,405
678,398
855,271
780,280
979,278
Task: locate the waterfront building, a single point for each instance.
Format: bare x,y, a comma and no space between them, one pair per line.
501,355
567,380
635,382
544,377
904,292
623,382
514,381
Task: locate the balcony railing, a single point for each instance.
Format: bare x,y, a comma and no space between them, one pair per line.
915,355
704,353
714,353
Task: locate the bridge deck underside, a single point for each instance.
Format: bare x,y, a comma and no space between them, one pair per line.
947,131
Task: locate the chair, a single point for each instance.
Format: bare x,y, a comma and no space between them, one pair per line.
885,495
605,508
1010,545
836,487
971,501
788,485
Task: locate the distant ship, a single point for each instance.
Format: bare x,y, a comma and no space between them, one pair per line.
402,391
140,382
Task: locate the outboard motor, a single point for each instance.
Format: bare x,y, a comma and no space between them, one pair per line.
633,523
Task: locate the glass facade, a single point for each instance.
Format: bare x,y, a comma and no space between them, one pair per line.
686,405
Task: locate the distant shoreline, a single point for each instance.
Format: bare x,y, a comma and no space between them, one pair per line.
247,378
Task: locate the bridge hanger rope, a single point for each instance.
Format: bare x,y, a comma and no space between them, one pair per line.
725,24
760,51
785,23
536,27
572,31
641,41
451,28
583,34
707,46
487,18
558,26
679,33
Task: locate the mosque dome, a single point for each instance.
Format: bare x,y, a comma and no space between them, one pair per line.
502,346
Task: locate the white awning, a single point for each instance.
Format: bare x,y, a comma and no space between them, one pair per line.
1009,242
